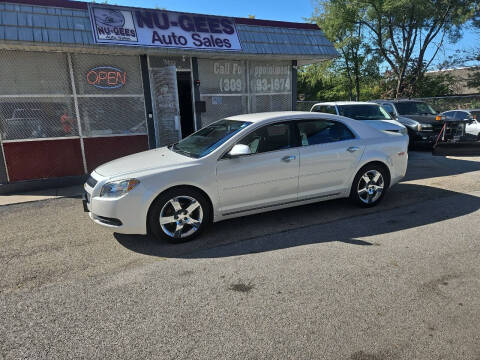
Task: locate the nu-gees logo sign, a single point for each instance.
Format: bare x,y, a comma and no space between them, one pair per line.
127,26
106,77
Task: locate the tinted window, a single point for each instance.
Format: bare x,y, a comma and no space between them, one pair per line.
364,112
414,108
388,108
322,131
269,138
461,115
449,114
204,141
328,109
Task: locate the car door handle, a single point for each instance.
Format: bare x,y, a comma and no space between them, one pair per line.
288,158
352,149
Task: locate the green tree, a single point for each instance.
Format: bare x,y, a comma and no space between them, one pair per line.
406,31
358,62
327,81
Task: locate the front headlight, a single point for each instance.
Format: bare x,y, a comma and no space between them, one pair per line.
403,130
424,127
116,189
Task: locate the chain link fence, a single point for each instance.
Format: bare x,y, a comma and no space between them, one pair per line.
238,87
38,101
110,94
35,96
305,105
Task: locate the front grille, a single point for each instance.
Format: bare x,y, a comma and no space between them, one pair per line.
91,182
437,127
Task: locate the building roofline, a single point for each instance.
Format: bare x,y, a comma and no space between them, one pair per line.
471,67
80,5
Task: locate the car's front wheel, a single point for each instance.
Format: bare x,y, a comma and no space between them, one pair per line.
369,185
179,215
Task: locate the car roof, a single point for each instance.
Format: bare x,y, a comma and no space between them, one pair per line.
286,115
333,103
266,116
360,127
397,100
467,110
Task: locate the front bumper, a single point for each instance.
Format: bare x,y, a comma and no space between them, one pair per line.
126,214
425,138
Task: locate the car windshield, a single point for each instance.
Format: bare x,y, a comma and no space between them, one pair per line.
364,112
204,141
414,108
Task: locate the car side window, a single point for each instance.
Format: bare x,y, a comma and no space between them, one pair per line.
328,109
388,108
269,138
314,132
449,114
461,115
331,110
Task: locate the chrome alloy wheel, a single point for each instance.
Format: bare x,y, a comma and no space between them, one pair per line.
370,186
181,216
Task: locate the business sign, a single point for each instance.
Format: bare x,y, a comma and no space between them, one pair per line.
158,28
106,77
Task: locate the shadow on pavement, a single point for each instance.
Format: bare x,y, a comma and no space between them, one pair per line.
423,165
315,223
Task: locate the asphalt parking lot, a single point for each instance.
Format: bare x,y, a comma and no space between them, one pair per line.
322,281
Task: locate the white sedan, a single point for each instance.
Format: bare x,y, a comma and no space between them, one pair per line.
244,165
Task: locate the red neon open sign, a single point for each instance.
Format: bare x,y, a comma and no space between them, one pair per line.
107,77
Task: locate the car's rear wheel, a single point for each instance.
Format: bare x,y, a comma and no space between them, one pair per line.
369,185
179,215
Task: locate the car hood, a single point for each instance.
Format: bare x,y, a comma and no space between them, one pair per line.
386,125
161,158
426,119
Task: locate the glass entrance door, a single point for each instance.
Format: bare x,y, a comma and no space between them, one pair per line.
166,106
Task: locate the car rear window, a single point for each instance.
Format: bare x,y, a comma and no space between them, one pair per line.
364,112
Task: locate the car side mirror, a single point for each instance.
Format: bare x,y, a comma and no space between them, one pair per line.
239,150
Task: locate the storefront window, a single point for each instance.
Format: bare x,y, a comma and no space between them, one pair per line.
37,99
34,118
34,73
270,86
110,94
223,87
229,89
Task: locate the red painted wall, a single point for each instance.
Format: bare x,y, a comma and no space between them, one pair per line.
103,149
43,159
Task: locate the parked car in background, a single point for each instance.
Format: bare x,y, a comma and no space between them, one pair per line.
243,165
372,114
24,124
471,118
419,118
